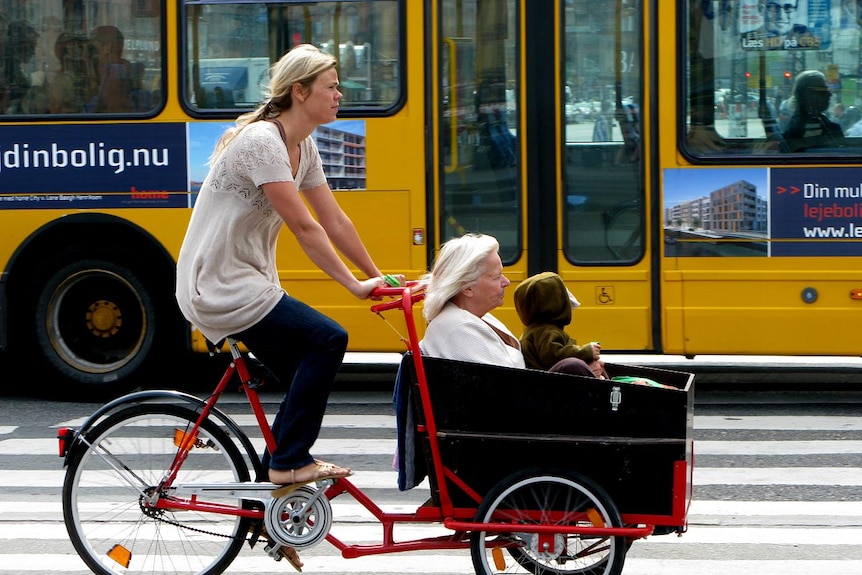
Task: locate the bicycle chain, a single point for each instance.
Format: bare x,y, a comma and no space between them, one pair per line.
159,515
195,529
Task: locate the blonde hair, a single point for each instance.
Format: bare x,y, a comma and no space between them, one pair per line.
301,65
460,263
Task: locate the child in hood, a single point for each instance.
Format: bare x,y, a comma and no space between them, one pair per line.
545,306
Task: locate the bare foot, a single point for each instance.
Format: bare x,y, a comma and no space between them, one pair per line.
316,471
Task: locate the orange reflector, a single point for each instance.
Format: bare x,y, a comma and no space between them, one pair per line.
499,560
856,294
595,518
121,555
184,440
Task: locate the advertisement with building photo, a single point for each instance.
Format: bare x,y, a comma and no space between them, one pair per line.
773,212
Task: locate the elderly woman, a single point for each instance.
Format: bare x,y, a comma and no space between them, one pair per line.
466,282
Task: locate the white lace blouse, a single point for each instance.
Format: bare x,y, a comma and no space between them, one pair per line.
226,274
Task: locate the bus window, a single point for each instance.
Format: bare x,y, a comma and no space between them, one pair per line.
479,119
752,64
602,202
231,45
77,58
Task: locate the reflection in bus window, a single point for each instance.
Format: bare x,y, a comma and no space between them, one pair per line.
23,95
72,83
231,46
114,74
479,142
79,58
603,187
745,58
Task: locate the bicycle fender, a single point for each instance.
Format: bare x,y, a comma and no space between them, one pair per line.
157,395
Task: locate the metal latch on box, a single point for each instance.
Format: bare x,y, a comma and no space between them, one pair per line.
616,398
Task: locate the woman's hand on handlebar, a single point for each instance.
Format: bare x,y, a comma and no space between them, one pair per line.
397,280
367,287
389,289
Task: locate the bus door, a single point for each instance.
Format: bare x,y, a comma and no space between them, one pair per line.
538,131
604,207
478,184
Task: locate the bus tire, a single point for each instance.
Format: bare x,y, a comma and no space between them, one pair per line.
96,323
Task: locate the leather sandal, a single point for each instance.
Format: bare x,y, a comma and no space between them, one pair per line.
322,470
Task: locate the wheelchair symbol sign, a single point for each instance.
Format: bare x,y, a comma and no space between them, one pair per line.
605,295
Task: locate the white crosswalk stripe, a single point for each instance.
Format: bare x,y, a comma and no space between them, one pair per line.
815,529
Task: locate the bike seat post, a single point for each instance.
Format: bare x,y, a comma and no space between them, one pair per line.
241,367
233,345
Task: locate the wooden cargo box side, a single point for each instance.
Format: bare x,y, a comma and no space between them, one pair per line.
492,421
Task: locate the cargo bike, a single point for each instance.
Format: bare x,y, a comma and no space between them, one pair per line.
533,472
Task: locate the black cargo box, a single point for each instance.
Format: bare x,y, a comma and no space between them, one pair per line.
634,440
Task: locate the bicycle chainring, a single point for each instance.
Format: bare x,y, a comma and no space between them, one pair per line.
300,519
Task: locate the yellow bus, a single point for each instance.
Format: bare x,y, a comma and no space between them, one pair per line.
652,153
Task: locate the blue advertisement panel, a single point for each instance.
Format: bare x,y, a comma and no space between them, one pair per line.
94,166
822,206
141,165
762,212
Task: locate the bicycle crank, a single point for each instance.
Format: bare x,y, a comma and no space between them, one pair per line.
299,519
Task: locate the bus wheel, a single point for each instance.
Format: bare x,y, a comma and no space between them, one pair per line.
95,323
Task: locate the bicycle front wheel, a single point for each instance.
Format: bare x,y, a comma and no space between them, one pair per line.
112,477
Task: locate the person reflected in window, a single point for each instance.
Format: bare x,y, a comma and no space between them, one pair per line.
809,127
628,119
67,93
854,122
113,73
21,39
602,127
4,83
837,114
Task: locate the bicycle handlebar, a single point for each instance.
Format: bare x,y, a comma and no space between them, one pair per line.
414,290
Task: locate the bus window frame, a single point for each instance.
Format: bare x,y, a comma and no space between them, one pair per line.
639,202
737,151
352,111
95,117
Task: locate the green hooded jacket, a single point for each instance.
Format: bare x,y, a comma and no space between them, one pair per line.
543,304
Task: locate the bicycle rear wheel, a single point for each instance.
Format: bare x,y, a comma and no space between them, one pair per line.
123,461
535,497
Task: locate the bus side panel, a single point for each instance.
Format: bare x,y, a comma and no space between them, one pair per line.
794,312
615,307
385,232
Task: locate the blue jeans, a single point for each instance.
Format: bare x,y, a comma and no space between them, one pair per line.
304,349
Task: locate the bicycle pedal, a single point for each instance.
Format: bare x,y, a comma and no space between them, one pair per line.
279,552
274,551
255,531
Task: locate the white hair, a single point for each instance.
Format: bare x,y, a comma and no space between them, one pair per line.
460,262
